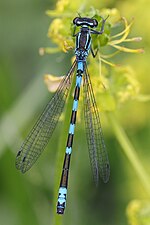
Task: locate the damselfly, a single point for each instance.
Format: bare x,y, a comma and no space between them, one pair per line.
39,136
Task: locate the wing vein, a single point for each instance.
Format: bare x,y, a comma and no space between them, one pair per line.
97,149
39,136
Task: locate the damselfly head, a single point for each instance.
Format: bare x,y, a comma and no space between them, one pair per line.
80,21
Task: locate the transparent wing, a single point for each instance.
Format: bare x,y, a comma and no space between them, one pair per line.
39,136
97,150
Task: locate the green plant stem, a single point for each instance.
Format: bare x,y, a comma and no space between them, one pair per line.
129,151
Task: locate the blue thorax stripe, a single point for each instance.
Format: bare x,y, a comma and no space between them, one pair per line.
88,42
77,40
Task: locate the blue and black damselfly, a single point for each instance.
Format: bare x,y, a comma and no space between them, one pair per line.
39,136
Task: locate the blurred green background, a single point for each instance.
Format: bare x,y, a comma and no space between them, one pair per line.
29,198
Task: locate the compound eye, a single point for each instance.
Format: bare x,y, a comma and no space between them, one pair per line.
75,20
95,23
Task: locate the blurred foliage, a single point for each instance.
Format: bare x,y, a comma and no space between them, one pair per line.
138,212
122,87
